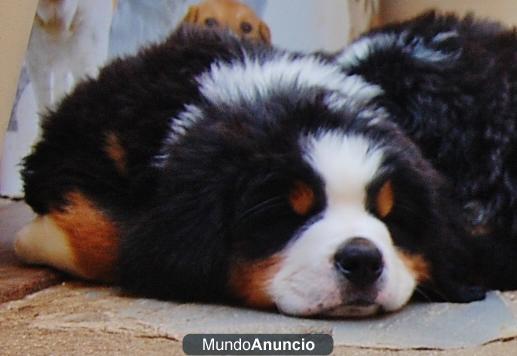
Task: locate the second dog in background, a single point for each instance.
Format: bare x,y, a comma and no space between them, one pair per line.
230,14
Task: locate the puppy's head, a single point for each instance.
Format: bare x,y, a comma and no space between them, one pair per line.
230,14
288,187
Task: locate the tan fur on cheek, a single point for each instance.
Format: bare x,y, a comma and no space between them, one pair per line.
92,237
417,264
249,281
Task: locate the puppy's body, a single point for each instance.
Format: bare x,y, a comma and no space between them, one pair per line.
207,169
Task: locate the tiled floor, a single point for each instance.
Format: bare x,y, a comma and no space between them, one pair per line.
76,318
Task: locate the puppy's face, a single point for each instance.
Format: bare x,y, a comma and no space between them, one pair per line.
230,14
346,230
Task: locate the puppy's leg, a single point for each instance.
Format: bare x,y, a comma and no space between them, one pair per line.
79,239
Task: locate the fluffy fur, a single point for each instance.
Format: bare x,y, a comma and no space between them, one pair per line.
212,169
451,86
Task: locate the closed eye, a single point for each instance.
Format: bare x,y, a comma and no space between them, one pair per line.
261,207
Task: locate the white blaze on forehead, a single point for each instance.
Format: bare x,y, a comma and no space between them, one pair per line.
346,163
252,80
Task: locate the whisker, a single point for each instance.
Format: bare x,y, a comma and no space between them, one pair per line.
421,292
428,294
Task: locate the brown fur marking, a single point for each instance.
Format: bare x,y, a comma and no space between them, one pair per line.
116,152
301,198
92,236
385,199
417,265
249,281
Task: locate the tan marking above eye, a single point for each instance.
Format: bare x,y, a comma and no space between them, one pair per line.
301,198
385,199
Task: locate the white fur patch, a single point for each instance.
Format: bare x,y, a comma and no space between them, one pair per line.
183,122
354,92
178,128
254,81
308,282
346,163
414,46
362,48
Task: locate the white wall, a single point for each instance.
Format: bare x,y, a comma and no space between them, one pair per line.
308,25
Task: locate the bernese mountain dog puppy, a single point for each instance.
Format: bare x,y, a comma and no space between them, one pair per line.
213,169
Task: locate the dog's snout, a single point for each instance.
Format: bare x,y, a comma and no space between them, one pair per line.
360,261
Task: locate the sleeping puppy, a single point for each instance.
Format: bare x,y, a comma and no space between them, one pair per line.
230,14
213,169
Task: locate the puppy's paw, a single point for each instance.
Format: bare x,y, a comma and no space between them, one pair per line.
25,245
42,242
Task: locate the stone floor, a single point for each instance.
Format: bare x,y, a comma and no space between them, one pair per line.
44,313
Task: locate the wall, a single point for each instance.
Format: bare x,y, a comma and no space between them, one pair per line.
16,18
312,25
307,25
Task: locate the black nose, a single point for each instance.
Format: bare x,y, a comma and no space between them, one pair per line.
360,261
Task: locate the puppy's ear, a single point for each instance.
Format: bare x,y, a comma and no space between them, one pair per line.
264,32
454,272
450,291
192,15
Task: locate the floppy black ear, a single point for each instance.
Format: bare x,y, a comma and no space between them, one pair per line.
177,248
450,282
452,257
438,234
